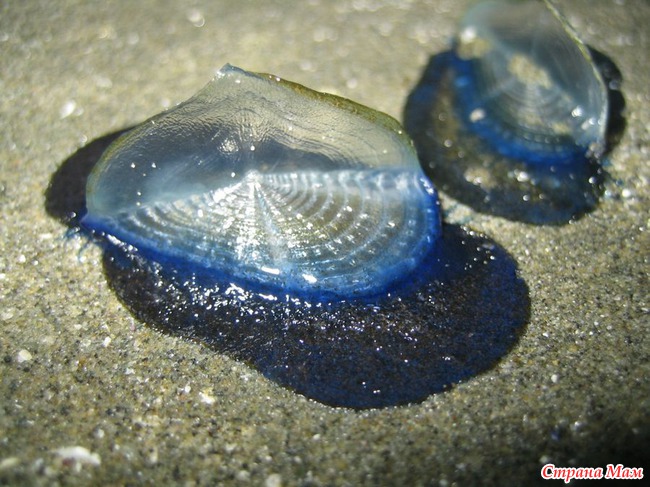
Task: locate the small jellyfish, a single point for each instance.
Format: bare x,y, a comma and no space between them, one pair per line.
286,188
513,119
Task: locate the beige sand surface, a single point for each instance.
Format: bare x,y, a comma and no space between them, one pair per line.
78,370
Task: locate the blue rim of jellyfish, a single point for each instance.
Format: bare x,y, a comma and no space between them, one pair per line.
491,131
396,283
569,190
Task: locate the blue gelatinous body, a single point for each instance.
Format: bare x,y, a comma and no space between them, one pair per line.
296,231
527,84
512,120
271,184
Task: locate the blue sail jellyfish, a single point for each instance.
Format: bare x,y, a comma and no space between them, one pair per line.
513,119
527,85
247,178
296,231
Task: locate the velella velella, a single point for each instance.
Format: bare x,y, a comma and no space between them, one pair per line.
512,120
295,231
347,219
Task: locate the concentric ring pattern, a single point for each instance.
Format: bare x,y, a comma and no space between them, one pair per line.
270,184
526,82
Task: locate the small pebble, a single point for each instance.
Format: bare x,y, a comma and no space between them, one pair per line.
23,356
77,456
9,462
273,480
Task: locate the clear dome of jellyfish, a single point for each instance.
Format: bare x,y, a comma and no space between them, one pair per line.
513,119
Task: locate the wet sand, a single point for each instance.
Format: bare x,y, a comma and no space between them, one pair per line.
149,408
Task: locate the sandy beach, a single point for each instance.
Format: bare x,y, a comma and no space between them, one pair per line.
90,395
